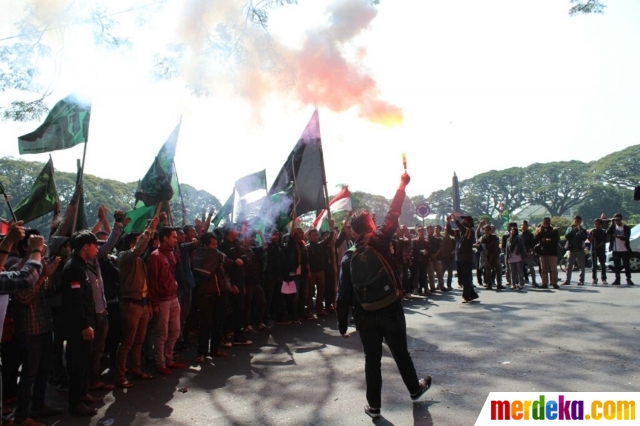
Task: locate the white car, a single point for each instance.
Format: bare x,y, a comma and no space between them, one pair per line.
634,242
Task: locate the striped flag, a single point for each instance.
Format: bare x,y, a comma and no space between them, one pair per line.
340,202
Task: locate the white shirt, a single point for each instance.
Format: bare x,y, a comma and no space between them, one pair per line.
619,245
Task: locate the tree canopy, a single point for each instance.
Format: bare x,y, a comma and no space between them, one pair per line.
18,176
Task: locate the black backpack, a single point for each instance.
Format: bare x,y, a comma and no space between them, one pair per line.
374,282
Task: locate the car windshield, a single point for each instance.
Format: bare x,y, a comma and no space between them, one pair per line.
635,232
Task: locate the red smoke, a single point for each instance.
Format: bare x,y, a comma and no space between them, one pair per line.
318,74
326,78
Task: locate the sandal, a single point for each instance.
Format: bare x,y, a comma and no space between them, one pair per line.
125,384
199,359
142,376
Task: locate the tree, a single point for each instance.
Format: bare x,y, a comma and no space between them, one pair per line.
373,203
586,7
441,203
18,176
562,223
603,199
483,195
558,186
621,168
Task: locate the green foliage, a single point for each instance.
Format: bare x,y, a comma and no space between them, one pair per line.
620,168
557,186
562,223
586,7
18,176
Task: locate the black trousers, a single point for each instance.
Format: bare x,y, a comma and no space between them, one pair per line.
465,276
329,287
595,259
272,284
59,370
115,332
78,366
621,259
237,312
37,359
389,325
11,360
211,313
419,275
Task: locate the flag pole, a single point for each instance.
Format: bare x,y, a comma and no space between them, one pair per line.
84,156
233,207
6,200
184,209
295,195
332,244
53,178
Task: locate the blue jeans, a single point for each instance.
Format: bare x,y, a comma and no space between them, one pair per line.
37,357
387,324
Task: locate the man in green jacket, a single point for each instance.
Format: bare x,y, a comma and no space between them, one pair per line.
575,236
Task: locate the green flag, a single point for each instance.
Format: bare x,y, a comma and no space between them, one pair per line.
139,218
251,183
66,126
42,197
225,211
156,186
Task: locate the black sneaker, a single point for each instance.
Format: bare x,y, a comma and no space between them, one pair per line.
425,384
629,282
374,413
616,282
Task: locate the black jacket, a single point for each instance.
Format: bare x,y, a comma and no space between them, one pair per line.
295,254
233,251
464,242
528,239
208,272
380,240
626,234
548,248
273,263
78,308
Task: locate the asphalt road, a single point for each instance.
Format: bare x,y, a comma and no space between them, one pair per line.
572,339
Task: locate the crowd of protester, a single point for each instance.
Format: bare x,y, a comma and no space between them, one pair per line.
123,300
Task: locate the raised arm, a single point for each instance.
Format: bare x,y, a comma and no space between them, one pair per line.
390,224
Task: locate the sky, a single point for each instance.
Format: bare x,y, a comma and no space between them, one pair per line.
480,85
